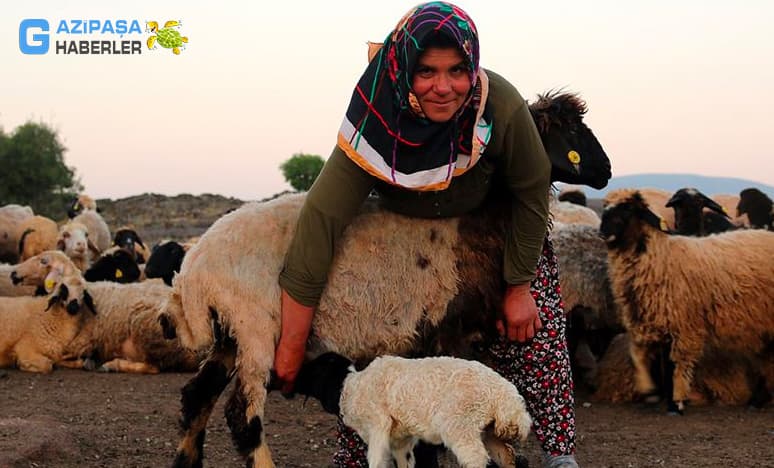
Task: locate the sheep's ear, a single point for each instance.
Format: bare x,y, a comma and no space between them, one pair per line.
713,205
93,247
61,295
89,301
655,220
52,278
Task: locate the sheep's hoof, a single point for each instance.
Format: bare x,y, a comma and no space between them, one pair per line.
673,409
521,462
102,368
89,364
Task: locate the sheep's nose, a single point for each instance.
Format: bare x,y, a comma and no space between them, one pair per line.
73,307
15,279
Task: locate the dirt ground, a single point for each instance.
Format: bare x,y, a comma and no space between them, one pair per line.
81,419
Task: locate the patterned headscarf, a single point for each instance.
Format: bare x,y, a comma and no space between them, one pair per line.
384,130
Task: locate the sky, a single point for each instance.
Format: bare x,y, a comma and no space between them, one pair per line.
671,86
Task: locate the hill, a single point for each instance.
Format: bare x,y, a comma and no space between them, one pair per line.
673,182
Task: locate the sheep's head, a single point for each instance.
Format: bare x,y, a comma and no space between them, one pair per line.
80,203
757,206
44,270
74,240
622,222
72,294
127,239
323,378
165,260
576,155
689,204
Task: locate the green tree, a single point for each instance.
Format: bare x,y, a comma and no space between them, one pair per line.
301,170
33,170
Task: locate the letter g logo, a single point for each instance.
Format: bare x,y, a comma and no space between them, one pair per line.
39,43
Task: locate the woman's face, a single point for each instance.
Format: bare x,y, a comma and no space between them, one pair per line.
441,82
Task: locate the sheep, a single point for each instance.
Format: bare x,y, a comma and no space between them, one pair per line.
656,199
690,217
115,264
758,207
395,402
7,288
79,204
713,292
75,242
128,239
126,336
165,260
35,331
573,195
36,234
586,294
570,213
10,217
99,233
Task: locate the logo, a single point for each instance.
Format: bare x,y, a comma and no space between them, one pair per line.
167,37
30,42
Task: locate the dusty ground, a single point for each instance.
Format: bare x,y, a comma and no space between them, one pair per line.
81,419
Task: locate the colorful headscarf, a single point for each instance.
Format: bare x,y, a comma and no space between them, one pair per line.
384,130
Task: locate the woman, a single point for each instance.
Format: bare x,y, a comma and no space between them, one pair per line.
432,133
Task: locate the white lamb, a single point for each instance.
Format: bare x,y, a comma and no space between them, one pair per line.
395,402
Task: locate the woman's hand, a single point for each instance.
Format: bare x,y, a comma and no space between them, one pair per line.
520,313
296,324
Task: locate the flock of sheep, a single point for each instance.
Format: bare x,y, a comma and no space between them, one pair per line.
659,281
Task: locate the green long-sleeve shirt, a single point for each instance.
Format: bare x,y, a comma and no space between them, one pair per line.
514,151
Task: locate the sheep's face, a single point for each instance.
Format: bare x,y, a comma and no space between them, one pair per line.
323,378
73,240
72,294
126,240
689,205
621,222
80,203
576,154
165,261
757,206
44,269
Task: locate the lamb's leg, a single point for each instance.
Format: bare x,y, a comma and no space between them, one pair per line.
198,398
379,454
468,448
129,367
500,452
403,452
643,383
35,363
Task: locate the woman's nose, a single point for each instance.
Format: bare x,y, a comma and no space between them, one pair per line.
442,84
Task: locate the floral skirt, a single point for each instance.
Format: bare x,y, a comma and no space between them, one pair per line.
539,368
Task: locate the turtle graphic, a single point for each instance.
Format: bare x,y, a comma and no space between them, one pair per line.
167,37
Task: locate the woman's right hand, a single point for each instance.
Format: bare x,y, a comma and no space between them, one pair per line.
291,349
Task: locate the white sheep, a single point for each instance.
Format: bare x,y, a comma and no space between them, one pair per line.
36,234
125,336
35,331
99,232
570,213
10,217
396,402
74,240
700,293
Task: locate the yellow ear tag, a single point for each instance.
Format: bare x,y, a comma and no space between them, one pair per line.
119,274
574,157
663,225
49,284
